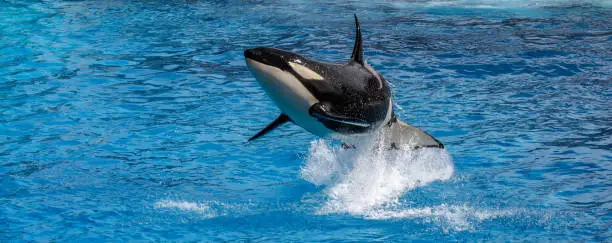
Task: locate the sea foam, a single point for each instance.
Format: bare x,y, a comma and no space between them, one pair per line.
371,176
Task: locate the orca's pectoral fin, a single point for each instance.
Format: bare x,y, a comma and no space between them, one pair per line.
277,122
321,112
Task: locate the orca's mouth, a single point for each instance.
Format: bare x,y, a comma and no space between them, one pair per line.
269,56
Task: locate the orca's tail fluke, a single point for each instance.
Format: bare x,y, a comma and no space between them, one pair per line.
401,134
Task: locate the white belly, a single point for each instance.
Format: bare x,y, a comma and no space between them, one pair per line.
290,95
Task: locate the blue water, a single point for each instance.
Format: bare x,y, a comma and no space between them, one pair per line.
128,121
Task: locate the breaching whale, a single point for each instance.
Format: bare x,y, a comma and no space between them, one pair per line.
342,101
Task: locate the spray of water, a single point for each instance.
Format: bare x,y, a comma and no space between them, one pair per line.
372,175
367,182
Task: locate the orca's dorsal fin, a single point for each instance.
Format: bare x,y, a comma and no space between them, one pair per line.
277,122
358,48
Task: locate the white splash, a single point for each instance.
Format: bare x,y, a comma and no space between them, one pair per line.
182,205
207,209
449,217
359,180
202,209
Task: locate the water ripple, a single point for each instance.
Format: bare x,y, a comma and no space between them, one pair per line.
128,121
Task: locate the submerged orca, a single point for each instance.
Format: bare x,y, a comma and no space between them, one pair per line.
342,101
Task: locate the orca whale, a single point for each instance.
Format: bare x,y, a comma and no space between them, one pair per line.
343,101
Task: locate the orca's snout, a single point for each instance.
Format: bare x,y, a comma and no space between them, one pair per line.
253,53
269,56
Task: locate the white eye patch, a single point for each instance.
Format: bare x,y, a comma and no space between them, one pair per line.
305,72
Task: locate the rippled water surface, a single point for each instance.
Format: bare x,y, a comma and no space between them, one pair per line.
128,120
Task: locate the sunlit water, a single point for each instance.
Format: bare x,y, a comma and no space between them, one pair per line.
128,120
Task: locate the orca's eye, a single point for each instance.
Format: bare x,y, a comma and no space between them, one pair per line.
305,72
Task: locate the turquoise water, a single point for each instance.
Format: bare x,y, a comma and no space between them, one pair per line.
128,121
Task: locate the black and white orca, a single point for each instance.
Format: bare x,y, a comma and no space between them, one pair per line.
342,101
